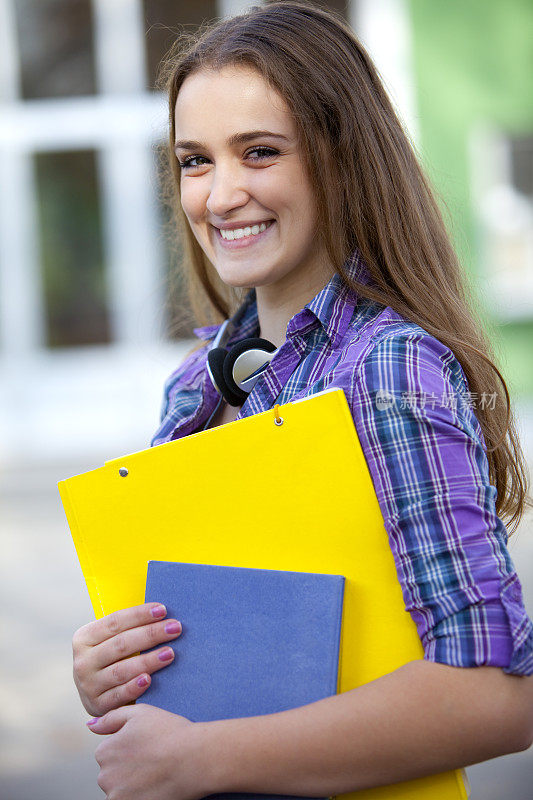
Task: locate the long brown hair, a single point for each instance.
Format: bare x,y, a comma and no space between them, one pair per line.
371,194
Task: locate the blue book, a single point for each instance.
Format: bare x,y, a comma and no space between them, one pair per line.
254,641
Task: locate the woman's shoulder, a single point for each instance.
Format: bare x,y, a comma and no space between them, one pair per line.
392,367
381,344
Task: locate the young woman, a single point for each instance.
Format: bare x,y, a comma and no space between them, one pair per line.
308,221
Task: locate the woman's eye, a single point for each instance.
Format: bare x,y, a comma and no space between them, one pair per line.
256,154
190,161
262,152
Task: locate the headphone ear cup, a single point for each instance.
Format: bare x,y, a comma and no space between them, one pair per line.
250,344
216,359
232,356
231,389
256,343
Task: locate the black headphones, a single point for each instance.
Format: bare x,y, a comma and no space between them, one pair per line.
235,372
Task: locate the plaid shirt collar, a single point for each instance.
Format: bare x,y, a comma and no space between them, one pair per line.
332,308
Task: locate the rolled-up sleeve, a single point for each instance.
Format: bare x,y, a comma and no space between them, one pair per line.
425,451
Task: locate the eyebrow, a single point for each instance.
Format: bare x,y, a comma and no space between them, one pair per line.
237,138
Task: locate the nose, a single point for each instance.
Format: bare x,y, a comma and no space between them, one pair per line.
227,190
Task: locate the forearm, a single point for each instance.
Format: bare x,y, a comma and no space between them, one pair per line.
419,720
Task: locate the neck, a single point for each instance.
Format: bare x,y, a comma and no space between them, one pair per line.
276,305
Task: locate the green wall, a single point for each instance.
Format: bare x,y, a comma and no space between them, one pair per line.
473,62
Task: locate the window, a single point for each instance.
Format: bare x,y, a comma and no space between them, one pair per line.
521,153
163,19
72,253
55,39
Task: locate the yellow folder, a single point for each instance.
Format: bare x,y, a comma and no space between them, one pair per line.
292,496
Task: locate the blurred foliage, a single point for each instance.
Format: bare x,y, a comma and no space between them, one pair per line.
474,64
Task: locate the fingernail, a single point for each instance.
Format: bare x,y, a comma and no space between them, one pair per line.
173,627
158,611
166,655
142,681
93,721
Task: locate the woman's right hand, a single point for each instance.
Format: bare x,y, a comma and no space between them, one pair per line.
104,675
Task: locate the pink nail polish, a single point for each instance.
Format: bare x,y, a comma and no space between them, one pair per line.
173,627
158,612
166,655
142,681
93,721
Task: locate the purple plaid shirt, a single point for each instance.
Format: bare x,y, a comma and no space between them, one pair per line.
425,451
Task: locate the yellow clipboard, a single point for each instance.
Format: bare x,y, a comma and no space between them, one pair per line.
292,496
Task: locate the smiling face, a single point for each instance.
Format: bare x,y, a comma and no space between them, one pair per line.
244,186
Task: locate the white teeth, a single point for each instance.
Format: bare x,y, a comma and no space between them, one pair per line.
238,233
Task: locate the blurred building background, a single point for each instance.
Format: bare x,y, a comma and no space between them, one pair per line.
91,317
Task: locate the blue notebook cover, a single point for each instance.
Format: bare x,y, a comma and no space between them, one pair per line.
254,641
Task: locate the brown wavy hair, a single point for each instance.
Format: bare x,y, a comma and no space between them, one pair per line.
371,194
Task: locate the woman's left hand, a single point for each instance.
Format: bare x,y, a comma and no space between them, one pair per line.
152,755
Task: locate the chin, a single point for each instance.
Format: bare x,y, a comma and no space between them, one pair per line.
245,283
238,284
244,279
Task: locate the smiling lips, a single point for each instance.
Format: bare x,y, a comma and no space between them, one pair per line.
229,234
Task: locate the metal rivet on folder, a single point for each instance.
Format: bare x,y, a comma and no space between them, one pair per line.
123,472
278,419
